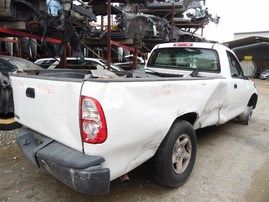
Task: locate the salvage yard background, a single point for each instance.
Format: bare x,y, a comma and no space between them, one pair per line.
232,164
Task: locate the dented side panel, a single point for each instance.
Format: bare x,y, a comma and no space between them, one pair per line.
139,115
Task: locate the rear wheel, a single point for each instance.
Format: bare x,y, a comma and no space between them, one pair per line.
174,159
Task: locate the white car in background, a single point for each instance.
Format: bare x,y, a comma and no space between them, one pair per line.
75,63
264,74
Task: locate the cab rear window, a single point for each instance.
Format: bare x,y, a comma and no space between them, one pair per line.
185,58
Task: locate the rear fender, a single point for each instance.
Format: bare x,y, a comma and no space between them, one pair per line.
189,117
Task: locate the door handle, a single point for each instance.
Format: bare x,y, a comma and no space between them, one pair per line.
235,86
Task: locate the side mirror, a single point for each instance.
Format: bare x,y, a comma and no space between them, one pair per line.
245,78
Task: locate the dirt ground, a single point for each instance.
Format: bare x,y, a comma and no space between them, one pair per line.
232,164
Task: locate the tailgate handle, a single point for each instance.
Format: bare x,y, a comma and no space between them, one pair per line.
30,92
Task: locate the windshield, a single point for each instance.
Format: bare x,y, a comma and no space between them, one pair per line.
9,64
5,66
21,63
184,58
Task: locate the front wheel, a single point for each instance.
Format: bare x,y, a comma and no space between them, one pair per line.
245,117
175,157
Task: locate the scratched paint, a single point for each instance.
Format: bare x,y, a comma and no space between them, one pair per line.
46,88
164,90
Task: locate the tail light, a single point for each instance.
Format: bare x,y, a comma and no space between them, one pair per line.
92,121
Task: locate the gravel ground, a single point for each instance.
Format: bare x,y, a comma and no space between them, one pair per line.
232,164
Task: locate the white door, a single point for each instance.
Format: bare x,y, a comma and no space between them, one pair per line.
238,85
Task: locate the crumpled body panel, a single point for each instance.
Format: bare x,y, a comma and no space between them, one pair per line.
139,115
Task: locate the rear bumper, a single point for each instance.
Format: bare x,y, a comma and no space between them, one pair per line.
81,172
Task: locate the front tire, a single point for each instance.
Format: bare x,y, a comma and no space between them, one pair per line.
175,157
245,117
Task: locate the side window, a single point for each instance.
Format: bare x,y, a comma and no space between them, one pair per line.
235,67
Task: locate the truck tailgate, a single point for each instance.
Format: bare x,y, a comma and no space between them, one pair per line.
50,107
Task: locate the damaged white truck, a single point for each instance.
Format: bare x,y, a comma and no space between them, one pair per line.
89,127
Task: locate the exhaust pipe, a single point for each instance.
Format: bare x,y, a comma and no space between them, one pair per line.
124,179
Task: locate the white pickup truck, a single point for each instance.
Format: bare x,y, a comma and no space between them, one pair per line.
89,127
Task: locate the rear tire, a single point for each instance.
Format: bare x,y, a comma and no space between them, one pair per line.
175,157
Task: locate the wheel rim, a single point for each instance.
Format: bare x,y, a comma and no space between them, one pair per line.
181,154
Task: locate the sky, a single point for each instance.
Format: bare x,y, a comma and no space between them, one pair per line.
236,16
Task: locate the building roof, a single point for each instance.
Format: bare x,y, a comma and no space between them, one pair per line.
257,51
246,41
